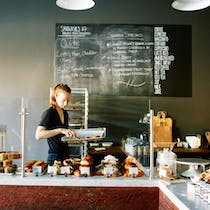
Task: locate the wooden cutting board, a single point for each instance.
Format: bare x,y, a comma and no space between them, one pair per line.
162,128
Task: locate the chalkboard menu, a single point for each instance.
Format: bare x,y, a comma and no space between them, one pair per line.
125,59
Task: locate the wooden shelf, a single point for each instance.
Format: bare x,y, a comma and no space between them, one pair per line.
113,150
189,152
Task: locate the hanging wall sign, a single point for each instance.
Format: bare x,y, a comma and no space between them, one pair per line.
125,59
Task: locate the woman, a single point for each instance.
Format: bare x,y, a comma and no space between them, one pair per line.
54,124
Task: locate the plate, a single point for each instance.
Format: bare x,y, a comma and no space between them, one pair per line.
100,148
94,144
107,144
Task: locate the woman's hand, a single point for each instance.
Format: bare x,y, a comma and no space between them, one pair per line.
68,132
43,133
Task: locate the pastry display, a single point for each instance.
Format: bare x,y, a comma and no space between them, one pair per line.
10,169
13,155
85,167
28,164
71,162
38,167
38,163
109,167
7,166
93,137
132,167
7,162
3,156
70,165
1,169
57,165
205,176
34,166
77,173
165,171
9,155
67,167
44,167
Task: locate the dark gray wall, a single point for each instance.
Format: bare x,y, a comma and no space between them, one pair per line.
27,34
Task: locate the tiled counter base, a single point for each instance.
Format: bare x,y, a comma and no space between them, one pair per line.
78,198
99,193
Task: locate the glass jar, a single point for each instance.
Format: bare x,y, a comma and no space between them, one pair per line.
166,163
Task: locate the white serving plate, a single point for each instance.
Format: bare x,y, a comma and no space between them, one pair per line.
99,148
107,144
93,144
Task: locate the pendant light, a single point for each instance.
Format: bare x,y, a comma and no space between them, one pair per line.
190,5
75,4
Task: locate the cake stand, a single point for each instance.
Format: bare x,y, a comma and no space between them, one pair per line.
193,164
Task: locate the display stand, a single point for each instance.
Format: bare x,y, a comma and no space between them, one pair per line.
3,135
151,145
193,164
23,113
78,117
78,108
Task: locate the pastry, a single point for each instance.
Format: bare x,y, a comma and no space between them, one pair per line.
109,167
13,155
8,169
93,137
38,163
7,162
88,158
77,173
131,162
3,156
57,165
1,169
29,163
69,162
44,167
84,163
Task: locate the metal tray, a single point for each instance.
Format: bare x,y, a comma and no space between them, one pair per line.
89,134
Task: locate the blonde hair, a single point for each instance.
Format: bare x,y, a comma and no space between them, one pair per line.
54,90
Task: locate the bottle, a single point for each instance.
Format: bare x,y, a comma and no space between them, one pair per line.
179,143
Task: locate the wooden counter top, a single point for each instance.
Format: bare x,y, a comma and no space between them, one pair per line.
190,152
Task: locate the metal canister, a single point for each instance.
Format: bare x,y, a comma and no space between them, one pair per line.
140,154
146,156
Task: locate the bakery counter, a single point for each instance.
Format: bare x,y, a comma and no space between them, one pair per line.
61,180
60,192
43,191
97,192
